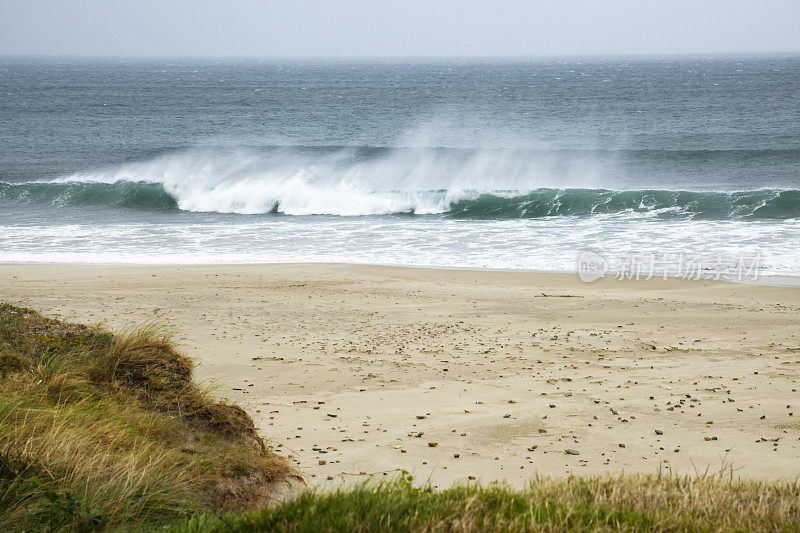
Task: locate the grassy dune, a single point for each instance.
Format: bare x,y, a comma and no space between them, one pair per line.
108,432
104,431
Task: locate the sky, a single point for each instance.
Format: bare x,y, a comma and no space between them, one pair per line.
392,28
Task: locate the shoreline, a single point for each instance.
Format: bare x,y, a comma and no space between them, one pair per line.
768,280
382,346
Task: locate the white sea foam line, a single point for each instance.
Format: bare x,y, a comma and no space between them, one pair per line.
538,244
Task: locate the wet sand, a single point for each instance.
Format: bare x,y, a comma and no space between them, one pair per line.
451,374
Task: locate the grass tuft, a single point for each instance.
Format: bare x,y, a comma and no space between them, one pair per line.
105,431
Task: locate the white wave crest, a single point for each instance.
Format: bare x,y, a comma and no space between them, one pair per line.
340,181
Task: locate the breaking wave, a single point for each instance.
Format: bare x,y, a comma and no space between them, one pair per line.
301,199
360,181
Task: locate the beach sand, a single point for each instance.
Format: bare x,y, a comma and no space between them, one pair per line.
358,370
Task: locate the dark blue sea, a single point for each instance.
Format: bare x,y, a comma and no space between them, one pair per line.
522,164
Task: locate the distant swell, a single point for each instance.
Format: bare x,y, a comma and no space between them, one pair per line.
302,199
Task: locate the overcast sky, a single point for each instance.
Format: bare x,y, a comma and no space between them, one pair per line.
396,28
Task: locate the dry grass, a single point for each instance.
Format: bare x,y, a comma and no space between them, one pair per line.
669,502
66,453
141,362
99,431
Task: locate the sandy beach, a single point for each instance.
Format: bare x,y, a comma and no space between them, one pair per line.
455,374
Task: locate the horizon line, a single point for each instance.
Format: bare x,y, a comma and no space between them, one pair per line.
403,57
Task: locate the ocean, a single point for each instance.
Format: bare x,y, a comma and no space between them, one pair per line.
512,164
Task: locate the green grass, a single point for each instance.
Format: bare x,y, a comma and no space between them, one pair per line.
624,503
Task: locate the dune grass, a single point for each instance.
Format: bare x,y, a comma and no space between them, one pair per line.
109,431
